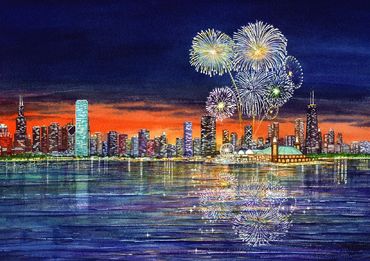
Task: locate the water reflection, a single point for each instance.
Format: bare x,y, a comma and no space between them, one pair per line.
259,212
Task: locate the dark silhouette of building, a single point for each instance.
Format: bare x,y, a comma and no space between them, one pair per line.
20,135
112,143
36,139
312,128
208,135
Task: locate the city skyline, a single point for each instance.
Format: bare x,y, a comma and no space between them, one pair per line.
142,72
78,140
98,123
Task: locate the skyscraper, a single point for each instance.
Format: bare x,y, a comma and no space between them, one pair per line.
331,134
112,143
143,139
122,144
312,128
99,143
179,147
225,136
290,140
163,145
44,139
134,147
208,135
234,139
197,147
20,135
188,139
248,136
36,140
275,130
150,148
71,131
299,131
53,137
82,129
93,145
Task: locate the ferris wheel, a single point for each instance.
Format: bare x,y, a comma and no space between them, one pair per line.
226,150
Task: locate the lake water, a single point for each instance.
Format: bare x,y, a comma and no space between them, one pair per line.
167,210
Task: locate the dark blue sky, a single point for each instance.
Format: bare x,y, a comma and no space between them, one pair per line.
119,49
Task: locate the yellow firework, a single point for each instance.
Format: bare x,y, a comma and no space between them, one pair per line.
211,52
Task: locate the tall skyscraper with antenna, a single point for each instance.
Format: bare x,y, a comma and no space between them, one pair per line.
312,128
20,135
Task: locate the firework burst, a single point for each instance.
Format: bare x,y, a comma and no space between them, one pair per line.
259,46
279,89
221,103
211,52
252,87
272,112
264,213
294,71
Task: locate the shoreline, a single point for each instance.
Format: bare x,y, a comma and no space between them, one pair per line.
315,161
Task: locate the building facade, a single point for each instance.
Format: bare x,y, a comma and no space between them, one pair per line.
188,139
82,129
208,135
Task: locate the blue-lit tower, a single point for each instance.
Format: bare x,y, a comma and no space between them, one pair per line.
82,129
188,139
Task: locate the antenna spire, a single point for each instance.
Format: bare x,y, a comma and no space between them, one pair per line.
313,97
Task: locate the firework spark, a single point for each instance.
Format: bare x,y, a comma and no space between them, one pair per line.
221,103
264,213
259,46
272,112
253,91
279,88
294,71
211,52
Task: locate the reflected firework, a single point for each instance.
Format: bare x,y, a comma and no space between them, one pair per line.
261,223
259,46
294,71
272,112
211,52
279,89
259,213
221,103
264,213
253,91
216,204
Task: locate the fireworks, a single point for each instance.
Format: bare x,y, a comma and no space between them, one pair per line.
253,91
272,112
221,103
264,213
211,52
266,77
294,71
259,46
279,89
261,223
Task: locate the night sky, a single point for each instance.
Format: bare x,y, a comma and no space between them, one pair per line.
130,59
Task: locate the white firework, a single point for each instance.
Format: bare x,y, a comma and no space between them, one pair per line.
264,213
253,89
259,46
279,88
211,52
221,103
216,204
261,223
294,71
